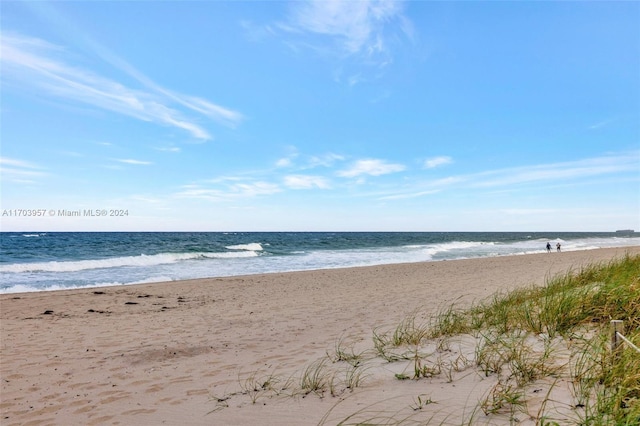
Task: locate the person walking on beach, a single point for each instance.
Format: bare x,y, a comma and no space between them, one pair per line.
558,247
548,247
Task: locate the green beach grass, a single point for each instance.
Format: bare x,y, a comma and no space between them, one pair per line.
545,334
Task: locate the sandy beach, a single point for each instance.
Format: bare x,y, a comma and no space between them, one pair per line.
185,352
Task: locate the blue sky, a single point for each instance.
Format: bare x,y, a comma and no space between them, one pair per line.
321,115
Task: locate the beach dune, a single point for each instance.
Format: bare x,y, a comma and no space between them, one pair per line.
188,352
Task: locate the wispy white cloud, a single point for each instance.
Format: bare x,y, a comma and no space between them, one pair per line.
6,161
284,162
324,160
134,162
36,63
256,32
255,188
363,35
72,154
409,195
20,171
513,178
371,167
169,149
306,182
558,171
216,112
68,26
201,193
229,192
357,25
305,162
223,180
288,160
224,115
431,163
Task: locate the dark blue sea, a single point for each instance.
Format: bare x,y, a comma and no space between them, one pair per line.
62,260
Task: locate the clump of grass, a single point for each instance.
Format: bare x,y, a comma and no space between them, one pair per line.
354,377
220,402
381,345
528,364
490,355
344,351
371,415
423,368
504,397
450,321
316,377
459,363
421,401
386,348
409,332
606,386
585,369
257,385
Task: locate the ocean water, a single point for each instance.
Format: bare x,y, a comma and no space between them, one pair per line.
62,260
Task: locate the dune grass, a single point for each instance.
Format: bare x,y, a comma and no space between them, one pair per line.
541,334
552,338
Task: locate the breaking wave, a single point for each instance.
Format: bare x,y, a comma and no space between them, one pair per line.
118,262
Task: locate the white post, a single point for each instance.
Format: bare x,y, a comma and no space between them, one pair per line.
617,326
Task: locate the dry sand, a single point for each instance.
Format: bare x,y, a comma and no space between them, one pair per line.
165,353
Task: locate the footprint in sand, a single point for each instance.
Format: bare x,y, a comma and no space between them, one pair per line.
154,388
139,411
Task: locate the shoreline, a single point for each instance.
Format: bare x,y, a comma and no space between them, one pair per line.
89,287
163,352
58,262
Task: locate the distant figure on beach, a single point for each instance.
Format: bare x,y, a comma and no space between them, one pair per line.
548,247
558,247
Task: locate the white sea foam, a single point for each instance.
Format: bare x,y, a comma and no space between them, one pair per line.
459,245
25,288
248,247
244,259
118,262
154,279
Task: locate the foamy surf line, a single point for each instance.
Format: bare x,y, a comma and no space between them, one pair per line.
21,288
142,260
200,256
126,270
156,274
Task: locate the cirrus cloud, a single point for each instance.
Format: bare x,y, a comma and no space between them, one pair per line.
306,182
371,167
356,23
37,64
134,162
19,171
434,162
